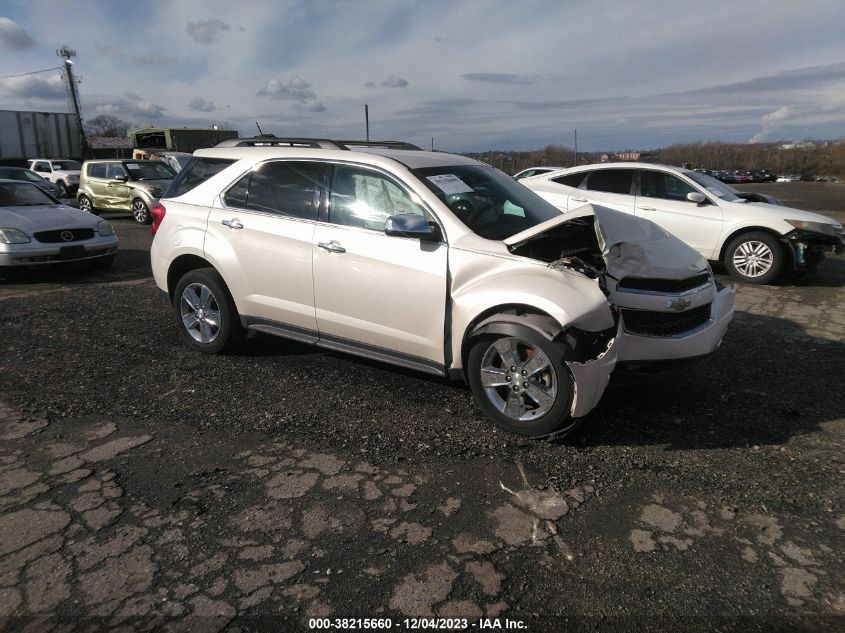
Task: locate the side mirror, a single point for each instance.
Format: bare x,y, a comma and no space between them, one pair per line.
697,197
413,226
120,178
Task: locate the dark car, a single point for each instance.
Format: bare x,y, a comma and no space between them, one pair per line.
26,175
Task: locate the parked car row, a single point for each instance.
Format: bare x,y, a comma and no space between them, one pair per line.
756,241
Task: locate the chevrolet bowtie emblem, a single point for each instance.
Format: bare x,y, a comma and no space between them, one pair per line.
679,303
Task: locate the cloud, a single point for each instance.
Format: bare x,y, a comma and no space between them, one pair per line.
294,90
152,59
12,36
313,106
132,107
34,87
771,122
499,78
198,104
206,31
394,81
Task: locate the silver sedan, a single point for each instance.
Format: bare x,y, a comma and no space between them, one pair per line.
36,230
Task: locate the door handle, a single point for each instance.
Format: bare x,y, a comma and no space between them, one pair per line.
332,247
579,199
647,209
233,223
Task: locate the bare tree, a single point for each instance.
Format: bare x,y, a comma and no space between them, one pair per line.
106,125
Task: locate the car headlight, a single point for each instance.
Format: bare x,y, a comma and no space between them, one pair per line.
816,227
13,236
104,228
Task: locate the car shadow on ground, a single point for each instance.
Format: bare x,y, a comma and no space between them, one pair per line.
830,274
129,264
768,383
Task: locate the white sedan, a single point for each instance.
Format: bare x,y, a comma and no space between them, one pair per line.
756,241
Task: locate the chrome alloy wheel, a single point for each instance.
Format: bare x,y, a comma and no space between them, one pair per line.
753,258
140,211
85,204
518,379
200,313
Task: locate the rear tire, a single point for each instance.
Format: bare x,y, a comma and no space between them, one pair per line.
754,258
85,204
534,400
141,212
205,312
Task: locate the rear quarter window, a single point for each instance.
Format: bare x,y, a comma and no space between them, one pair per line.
195,173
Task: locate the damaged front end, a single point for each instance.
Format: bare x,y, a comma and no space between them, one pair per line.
808,244
662,293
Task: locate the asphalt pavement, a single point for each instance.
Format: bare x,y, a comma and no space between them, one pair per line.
284,487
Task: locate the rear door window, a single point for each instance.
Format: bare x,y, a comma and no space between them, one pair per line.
97,170
288,188
197,172
611,180
570,180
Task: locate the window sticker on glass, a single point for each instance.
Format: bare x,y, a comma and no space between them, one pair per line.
132,166
449,184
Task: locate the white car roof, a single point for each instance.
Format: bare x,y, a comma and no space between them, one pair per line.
626,165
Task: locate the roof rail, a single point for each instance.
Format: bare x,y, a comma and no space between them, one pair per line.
269,140
381,144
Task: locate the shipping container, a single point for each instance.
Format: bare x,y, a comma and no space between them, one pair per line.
178,139
25,135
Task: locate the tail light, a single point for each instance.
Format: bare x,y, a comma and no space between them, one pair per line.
157,212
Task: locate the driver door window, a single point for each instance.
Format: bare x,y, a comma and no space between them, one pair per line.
365,199
115,170
656,184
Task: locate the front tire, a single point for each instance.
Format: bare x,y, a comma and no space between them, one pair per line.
754,258
61,189
205,312
521,383
141,212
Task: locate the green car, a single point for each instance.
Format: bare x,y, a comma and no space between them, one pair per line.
123,185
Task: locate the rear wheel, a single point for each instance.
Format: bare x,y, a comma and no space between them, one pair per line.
141,212
205,312
85,204
521,384
755,258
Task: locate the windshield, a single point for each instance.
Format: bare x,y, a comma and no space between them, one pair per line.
488,202
20,174
149,170
715,187
66,165
23,194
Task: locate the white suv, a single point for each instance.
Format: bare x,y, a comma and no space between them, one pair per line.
434,262
64,173
756,241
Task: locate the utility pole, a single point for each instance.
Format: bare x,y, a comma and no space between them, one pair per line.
432,143
367,120
66,53
576,147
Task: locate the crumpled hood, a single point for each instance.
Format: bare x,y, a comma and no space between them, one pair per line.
631,246
45,218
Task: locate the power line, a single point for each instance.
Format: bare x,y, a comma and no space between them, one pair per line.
34,72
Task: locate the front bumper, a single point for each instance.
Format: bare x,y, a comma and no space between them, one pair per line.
39,254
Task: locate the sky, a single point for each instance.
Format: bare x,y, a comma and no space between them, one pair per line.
474,74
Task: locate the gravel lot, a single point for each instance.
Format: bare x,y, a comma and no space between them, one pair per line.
143,483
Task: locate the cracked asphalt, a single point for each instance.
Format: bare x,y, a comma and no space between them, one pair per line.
146,487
